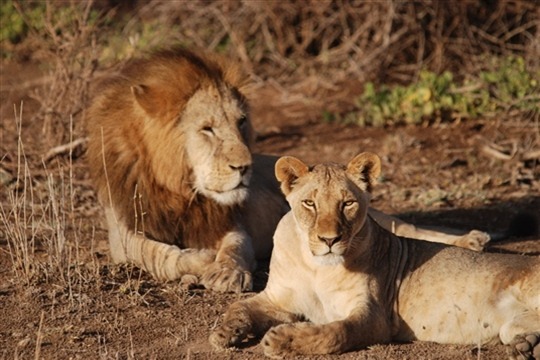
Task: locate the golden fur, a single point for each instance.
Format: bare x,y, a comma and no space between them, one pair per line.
169,154
339,281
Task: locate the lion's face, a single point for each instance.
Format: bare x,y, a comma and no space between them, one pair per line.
205,142
216,128
329,202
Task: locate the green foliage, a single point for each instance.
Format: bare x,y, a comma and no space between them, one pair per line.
41,19
507,85
14,27
512,84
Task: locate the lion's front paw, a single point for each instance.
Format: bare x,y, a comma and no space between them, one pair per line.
222,278
188,282
525,347
474,240
230,333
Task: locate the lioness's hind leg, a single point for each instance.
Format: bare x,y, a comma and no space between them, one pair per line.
522,336
525,347
474,240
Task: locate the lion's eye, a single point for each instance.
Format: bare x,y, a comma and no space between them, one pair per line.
208,130
308,203
349,203
242,121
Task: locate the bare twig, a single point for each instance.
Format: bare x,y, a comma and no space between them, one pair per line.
65,148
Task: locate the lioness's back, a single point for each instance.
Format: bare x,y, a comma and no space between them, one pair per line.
452,286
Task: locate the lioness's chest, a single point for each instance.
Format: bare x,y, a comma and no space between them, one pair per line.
333,296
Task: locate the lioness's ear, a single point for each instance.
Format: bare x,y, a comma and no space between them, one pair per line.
288,170
365,167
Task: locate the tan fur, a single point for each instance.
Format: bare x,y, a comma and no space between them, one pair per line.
339,281
169,154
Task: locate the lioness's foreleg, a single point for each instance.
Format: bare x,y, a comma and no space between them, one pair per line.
235,259
250,317
354,332
163,261
474,240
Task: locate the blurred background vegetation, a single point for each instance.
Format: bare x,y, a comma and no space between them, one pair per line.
394,61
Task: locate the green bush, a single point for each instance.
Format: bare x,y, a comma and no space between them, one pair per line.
507,85
15,27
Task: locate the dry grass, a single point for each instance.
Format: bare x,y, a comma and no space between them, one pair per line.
37,214
66,43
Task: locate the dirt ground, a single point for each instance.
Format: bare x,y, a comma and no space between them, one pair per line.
471,174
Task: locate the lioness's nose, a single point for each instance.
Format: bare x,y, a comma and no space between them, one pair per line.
330,240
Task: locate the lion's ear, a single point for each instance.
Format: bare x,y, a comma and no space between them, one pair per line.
288,170
365,167
153,101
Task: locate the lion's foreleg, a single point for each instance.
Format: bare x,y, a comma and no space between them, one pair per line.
474,240
250,317
163,261
235,259
356,331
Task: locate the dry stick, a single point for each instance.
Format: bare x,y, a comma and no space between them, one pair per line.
531,155
65,148
39,338
240,45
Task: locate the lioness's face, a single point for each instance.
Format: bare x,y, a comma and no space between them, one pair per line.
216,127
329,202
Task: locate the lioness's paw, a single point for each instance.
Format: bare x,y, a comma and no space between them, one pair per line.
230,333
525,347
225,279
474,240
287,340
277,343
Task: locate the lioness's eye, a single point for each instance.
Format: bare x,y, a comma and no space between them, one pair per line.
308,203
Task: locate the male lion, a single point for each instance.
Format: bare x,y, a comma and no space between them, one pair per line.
358,284
183,195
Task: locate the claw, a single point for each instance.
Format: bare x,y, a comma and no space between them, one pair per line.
224,279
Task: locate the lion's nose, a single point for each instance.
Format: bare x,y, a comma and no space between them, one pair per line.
242,169
330,240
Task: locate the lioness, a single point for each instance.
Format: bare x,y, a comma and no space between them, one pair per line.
169,152
358,284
